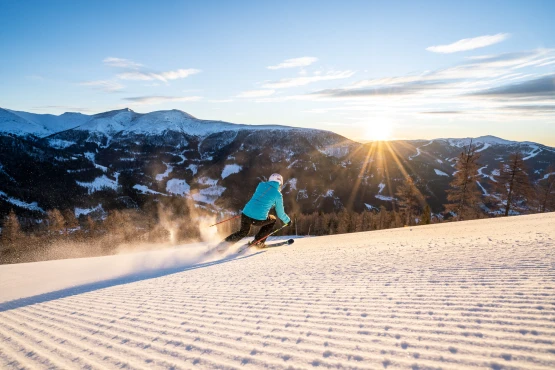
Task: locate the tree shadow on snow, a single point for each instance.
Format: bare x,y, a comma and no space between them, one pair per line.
126,279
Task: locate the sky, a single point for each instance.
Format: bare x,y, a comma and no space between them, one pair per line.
368,70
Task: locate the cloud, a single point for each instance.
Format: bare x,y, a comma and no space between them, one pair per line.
476,88
469,44
66,108
255,93
305,80
121,63
104,85
443,112
158,99
295,62
402,89
531,107
539,88
162,76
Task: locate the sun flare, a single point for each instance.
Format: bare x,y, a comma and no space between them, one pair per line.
378,130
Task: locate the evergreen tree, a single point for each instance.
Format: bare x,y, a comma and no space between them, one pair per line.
383,219
70,222
89,227
513,184
427,215
409,199
464,195
545,191
56,222
11,230
344,221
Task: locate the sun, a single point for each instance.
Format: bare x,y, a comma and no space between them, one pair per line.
379,129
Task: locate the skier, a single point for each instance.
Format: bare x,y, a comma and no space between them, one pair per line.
256,212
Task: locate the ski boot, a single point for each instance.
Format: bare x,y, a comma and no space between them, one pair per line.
258,245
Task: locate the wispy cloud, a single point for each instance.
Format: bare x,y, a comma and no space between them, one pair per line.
255,93
65,108
443,112
475,88
158,99
295,62
539,88
104,85
469,44
305,80
161,76
121,63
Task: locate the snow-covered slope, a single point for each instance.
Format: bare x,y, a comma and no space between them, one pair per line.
54,123
464,295
14,124
109,122
123,121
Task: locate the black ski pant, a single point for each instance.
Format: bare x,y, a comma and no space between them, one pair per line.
247,222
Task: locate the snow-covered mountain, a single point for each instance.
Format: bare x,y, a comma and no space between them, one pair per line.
124,159
465,295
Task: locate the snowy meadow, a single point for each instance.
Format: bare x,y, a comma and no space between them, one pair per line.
474,294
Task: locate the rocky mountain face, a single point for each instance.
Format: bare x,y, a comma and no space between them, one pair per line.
123,159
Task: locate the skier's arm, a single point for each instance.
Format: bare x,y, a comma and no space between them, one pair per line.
280,211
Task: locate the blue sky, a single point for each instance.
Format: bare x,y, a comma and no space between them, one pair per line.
364,69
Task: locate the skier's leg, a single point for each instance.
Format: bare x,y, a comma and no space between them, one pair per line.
244,231
267,226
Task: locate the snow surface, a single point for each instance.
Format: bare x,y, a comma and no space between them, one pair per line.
16,202
86,211
483,140
100,183
145,190
386,198
486,145
193,168
481,187
466,295
440,173
178,187
162,176
230,169
60,144
209,194
535,151
292,183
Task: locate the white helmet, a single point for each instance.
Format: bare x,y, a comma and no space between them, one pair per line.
276,177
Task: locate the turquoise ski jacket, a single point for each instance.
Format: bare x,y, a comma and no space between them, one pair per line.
266,196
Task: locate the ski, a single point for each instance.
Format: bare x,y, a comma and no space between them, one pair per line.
279,244
271,245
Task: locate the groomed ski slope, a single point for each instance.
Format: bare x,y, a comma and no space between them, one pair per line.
477,294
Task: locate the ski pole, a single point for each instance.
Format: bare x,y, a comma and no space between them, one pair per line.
229,219
273,232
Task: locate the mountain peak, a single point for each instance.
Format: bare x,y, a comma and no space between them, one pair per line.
490,139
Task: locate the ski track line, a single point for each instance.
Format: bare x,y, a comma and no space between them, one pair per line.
38,337
69,338
487,331
336,343
468,295
117,342
146,332
481,308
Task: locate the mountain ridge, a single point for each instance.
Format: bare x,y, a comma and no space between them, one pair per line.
94,123
126,159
